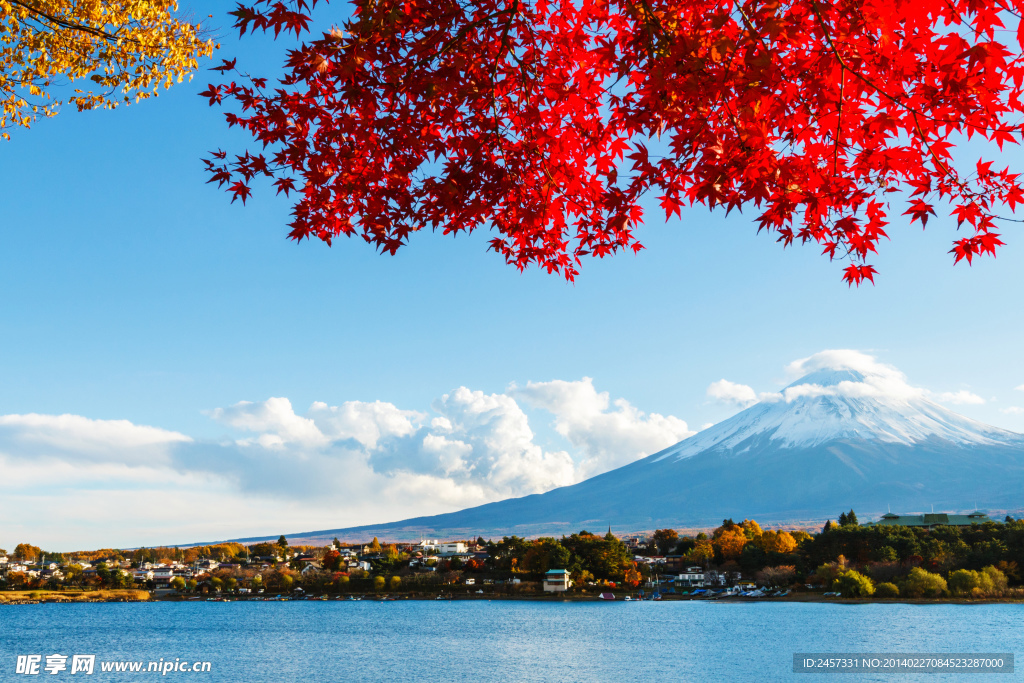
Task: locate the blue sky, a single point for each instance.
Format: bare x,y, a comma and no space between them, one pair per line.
133,291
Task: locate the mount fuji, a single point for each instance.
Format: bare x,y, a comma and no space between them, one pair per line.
838,438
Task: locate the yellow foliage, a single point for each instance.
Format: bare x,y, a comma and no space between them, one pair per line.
730,542
113,51
751,528
777,542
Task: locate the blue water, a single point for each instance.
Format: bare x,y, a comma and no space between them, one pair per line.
483,641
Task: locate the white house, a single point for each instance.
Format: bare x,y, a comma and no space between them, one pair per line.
693,577
556,581
452,549
161,574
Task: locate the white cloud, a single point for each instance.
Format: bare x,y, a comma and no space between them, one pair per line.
840,372
1020,388
730,392
49,436
274,419
72,482
959,398
495,444
1012,410
608,433
367,423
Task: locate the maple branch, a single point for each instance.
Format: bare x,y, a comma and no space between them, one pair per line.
63,23
458,37
839,122
750,27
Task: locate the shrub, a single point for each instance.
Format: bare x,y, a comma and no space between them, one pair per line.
782,575
921,583
378,583
885,572
988,582
827,574
887,590
853,584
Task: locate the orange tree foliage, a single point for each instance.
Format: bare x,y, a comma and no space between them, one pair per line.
547,122
777,542
123,50
632,576
728,540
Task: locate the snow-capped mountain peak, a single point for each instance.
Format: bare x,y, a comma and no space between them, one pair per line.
840,404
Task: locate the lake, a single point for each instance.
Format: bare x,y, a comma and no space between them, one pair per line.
499,640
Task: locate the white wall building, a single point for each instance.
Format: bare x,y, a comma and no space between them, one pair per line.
556,581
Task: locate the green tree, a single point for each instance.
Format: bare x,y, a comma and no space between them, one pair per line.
342,583
231,583
851,518
216,583
191,584
178,583
394,583
853,584
378,583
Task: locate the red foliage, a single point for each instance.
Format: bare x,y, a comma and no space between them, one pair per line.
547,122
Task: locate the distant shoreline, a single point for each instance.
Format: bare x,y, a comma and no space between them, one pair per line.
60,597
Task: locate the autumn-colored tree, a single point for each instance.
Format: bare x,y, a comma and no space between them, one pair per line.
665,539
751,529
777,542
375,546
331,560
632,576
729,543
800,536
111,52
548,122
26,552
782,575
264,550
702,553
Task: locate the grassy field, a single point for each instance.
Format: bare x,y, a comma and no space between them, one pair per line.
72,596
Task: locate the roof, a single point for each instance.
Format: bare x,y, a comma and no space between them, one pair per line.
556,571
932,519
